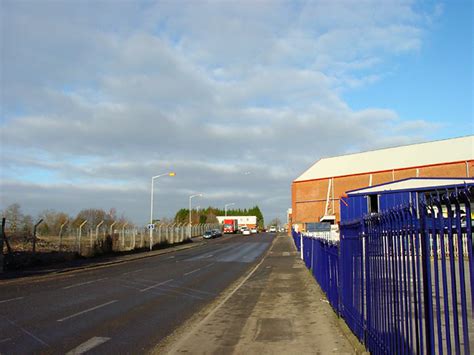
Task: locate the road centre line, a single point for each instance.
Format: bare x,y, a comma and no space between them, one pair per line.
86,311
131,272
156,285
172,290
12,299
189,273
88,345
204,267
83,283
5,340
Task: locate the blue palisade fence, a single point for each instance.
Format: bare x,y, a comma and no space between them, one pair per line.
403,279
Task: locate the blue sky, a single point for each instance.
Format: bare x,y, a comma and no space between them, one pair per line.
99,96
435,83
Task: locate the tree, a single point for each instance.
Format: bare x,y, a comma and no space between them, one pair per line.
27,225
14,218
52,221
92,215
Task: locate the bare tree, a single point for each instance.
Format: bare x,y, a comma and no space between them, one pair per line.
52,221
14,218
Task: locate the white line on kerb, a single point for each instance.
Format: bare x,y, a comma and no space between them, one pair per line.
83,283
156,285
88,345
12,299
189,273
86,311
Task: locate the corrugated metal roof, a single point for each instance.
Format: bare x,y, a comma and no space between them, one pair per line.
421,154
412,184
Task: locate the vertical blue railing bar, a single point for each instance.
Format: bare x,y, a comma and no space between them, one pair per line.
427,287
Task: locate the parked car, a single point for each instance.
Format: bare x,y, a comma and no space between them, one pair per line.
208,234
253,230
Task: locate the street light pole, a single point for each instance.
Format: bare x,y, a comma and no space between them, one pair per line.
190,212
225,207
151,204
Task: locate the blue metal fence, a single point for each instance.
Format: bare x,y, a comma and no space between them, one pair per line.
402,279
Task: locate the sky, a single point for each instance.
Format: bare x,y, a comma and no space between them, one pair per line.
237,97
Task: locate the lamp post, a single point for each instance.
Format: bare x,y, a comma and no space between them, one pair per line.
151,204
225,207
190,212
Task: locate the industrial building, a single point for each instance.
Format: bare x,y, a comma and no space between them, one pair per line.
316,193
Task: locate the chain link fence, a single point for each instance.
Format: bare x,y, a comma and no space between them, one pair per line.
22,248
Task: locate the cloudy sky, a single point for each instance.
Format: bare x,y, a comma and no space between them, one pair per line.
237,97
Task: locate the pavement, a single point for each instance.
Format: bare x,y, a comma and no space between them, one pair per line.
277,308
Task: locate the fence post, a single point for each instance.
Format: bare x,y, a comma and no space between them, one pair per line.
80,235
61,234
2,237
34,234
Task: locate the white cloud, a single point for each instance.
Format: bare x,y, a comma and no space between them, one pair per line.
107,96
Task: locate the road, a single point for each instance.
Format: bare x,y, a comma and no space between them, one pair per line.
125,308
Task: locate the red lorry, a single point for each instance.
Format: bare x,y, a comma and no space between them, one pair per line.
230,226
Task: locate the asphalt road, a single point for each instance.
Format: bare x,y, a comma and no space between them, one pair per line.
123,308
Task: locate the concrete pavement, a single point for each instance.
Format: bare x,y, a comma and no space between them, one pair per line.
277,309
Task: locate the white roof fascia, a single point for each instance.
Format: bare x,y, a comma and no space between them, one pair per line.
408,156
410,184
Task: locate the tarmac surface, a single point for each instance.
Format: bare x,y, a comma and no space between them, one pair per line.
276,309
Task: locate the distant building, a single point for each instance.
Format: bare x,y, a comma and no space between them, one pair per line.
316,193
249,221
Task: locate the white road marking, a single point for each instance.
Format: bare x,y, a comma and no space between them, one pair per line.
25,331
131,272
5,340
171,257
171,290
83,283
193,290
208,265
189,273
156,285
88,345
86,311
12,299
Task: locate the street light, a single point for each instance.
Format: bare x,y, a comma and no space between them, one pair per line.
151,204
225,207
190,212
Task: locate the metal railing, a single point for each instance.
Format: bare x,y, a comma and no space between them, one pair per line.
403,279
